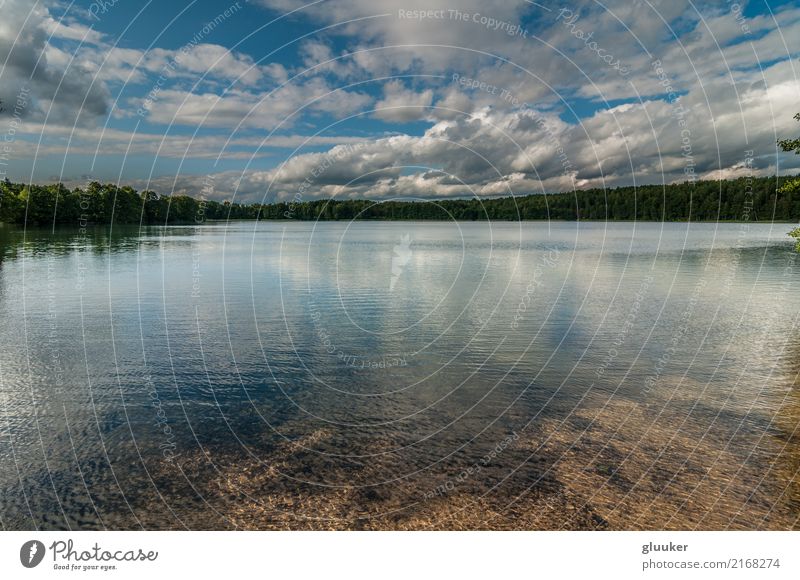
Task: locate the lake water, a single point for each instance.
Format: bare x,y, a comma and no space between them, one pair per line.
400,375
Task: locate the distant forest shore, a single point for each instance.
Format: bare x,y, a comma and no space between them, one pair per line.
744,199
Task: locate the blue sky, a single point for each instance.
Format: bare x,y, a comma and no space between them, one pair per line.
281,99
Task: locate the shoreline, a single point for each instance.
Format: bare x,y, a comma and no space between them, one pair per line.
61,226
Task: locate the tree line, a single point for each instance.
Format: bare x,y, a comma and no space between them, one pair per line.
743,199
106,203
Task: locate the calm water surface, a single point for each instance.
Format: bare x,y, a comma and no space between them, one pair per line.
400,375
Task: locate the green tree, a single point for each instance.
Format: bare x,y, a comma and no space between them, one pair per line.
792,185
795,233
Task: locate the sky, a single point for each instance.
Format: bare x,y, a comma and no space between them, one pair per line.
265,100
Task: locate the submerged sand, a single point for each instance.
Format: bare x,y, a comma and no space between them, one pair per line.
617,465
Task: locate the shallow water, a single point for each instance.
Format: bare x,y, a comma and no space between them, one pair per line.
400,375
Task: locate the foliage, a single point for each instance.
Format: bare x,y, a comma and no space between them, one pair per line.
795,233
743,199
792,186
104,204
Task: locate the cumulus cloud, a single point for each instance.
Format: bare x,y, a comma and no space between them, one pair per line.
695,87
65,141
57,85
522,151
401,104
72,31
195,62
500,152
701,89
236,108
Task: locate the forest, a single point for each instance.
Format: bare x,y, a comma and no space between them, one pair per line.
743,199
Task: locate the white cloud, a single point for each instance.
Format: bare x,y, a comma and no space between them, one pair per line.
245,109
200,61
72,31
57,85
402,105
65,141
737,82
494,152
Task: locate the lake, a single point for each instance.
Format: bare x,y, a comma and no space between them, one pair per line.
400,375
